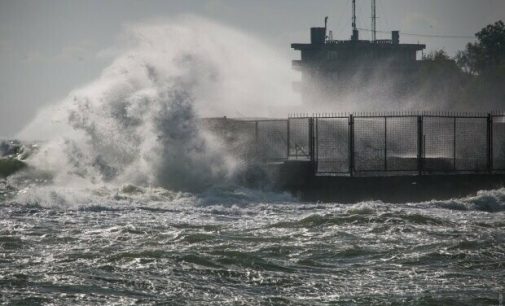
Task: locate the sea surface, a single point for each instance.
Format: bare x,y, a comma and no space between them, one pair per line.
72,232
135,246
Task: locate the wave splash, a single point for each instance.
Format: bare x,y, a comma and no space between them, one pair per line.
138,122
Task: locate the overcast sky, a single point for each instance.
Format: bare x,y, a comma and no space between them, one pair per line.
49,47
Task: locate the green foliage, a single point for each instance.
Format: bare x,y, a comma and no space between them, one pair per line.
439,80
474,80
440,63
10,166
484,60
438,56
487,54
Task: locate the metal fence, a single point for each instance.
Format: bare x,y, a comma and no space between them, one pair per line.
299,138
385,144
498,143
272,139
332,145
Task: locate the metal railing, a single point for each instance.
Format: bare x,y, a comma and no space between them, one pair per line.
399,143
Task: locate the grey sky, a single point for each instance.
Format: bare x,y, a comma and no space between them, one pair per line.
48,47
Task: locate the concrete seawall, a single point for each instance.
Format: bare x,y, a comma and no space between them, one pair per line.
298,178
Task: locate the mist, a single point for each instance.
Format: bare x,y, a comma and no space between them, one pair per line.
138,121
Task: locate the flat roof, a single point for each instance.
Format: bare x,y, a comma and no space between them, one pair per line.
336,44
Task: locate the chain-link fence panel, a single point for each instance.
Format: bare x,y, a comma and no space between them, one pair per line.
272,140
237,136
471,144
402,144
369,144
299,141
332,145
438,144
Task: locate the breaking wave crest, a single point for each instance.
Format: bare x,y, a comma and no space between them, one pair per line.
132,197
486,200
138,123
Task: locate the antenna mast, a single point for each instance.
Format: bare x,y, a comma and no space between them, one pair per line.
354,15
355,34
374,22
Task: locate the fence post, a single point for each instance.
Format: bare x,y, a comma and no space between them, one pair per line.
490,143
288,140
420,144
454,144
315,143
385,143
311,140
351,145
256,139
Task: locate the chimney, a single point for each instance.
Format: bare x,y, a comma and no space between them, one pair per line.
317,36
395,37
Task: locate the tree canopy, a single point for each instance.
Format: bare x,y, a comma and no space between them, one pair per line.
474,79
487,54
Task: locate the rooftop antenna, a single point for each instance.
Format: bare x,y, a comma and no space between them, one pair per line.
325,27
355,34
374,22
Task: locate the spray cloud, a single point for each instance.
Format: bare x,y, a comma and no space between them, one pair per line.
138,122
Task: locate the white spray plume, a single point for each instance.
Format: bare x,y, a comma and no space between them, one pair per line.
137,123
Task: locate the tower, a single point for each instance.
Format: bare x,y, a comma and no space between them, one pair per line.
355,33
374,22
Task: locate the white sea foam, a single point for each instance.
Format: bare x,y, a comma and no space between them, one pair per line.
486,200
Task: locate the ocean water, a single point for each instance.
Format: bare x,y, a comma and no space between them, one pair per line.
80,226
146,246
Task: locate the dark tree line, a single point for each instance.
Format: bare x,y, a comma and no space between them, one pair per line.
473,80
487,55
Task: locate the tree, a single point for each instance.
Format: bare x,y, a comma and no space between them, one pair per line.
439,81
487,55
436,56
484,62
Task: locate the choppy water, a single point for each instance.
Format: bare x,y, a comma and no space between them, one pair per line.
138,123
139,246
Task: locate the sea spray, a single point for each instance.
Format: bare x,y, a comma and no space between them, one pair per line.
138,122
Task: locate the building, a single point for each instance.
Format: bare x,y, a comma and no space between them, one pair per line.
331,66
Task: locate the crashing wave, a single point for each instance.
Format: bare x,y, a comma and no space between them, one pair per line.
138,123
